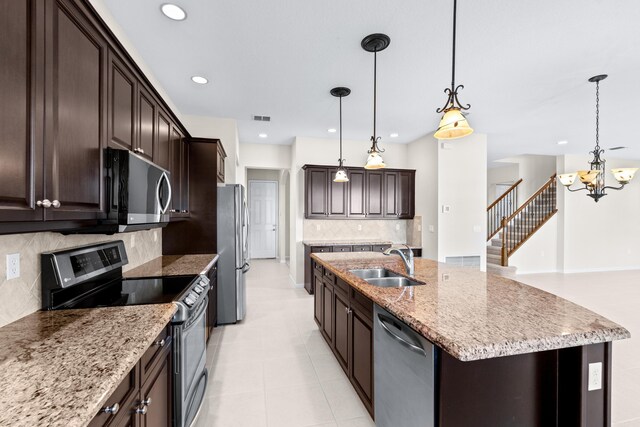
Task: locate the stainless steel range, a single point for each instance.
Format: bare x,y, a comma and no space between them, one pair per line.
91,276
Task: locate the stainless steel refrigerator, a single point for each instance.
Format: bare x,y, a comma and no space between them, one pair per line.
233,262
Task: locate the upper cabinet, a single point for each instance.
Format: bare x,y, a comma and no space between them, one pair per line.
21,78
179,169
221,155
374,194
68,91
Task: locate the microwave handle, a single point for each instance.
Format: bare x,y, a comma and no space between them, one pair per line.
163,209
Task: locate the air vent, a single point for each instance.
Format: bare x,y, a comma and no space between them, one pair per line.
617,148
262,118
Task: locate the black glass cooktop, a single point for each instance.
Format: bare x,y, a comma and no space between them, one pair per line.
118,292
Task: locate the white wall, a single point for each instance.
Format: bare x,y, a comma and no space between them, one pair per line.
462,185
263,156
422,155
226,130
507,174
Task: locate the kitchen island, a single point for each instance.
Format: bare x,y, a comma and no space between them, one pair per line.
504,353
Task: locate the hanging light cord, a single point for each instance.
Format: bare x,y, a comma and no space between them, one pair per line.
375,95
453,56
597,116
340,159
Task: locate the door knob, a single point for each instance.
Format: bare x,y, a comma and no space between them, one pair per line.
56,204
113,409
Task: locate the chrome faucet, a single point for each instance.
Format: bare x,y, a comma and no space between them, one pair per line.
408,263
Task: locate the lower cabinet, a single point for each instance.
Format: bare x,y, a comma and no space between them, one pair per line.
345,319
212,309
145,396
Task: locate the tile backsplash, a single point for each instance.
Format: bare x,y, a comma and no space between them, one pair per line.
22,296
396,231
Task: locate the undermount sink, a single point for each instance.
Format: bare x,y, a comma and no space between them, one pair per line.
384,278
373,273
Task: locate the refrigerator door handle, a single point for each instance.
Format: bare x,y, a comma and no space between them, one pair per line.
246,267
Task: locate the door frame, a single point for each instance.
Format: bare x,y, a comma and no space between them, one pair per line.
277,204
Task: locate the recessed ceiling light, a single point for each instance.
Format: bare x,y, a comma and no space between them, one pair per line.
563,142
200,80
262,135
332,130
174,12
394,135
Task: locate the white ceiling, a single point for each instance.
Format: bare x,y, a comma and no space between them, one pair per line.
524,64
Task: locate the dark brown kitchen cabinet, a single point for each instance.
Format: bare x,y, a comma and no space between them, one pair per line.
212,308
21,104
327,307
179,169
145,396
162,153
374,193
318,303
390,194
220,162
357,194
316,192
406,197
75,113
146,124
122,104
337,197
361,351
341,331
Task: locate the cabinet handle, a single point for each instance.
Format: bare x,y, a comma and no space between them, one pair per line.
46,203
113,409
141,151
173,211
146,402
185,211
160,343
56,204
142,410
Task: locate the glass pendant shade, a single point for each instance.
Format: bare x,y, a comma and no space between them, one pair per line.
341,176
567,179
624,175
453,125
588,177
374,161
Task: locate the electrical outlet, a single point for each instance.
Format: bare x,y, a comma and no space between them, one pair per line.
13,266
317,227
133,240
446,208
477,229
397,226
445,277
155,235
359,227
419,227
595,376
432,229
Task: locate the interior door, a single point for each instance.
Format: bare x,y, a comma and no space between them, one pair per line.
263,218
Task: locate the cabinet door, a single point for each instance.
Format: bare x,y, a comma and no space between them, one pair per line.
337,196
361,355
125,397
316,192
356,193
327,311
176,149
184,176
406,195
162,152
157,391
75,113
390,194
341,330
318,305
374,192
21,104
212,309
220,163
146,124
122,100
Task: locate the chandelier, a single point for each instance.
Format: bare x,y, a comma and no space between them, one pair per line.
594,179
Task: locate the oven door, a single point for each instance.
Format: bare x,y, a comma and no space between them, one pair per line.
191,373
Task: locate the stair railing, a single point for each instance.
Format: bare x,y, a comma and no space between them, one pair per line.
502,207
518,227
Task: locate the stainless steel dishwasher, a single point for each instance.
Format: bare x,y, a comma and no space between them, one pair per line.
404,374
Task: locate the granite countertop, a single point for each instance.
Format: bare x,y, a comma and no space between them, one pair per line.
174,265
58,368
473,315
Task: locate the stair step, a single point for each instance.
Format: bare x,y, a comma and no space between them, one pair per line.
509,272
494,250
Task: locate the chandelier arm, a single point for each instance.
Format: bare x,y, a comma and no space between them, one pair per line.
449,102
455,96
577,189
613,188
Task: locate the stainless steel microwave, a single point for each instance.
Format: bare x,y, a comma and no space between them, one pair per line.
138,192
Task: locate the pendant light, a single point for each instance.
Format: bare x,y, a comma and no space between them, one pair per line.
341,173
375,43
453,123
593,179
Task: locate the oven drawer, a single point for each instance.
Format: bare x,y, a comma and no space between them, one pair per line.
153,353
119,401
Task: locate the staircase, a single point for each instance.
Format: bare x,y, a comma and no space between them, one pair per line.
508,227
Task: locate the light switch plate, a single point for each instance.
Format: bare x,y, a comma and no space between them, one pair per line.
477,229
595,376
446,208
13,266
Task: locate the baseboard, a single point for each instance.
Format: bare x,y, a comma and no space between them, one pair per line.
600,270
294,284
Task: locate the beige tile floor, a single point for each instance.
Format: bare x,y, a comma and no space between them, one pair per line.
275,370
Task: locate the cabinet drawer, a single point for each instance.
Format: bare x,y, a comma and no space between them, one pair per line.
362,303
341,285
342,249
362,248
153,353
121,397
317,268
321,249
380,248
329,276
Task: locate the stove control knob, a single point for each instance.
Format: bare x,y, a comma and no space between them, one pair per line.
189,301
198,289
193,296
